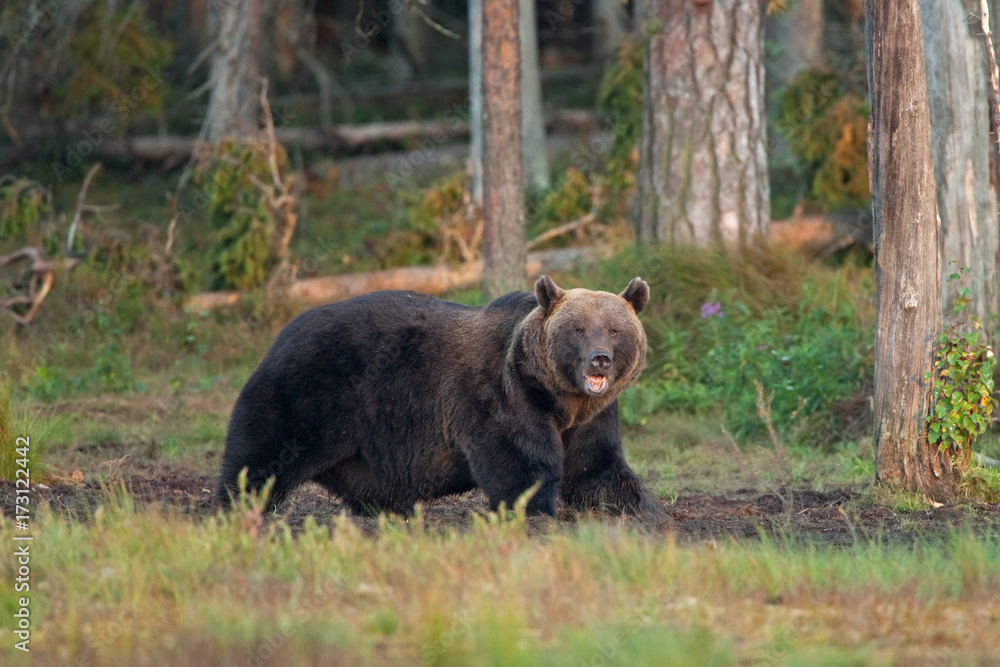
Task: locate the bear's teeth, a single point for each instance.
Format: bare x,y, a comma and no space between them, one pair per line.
596,382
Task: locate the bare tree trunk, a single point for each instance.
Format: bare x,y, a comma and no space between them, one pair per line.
703,153
960,139
535,160
907,266
796,36
476,101
233,107
610,21
503,180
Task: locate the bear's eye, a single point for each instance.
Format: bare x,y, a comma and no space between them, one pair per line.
614,333
579,331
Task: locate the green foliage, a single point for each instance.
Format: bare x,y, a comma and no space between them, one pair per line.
982,484
962,383
112,65
569,198
12,452
808,341
24,205
238,209
110,372
619,98
825,123
438,229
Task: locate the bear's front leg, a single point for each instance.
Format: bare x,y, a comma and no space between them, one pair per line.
595,473
507,461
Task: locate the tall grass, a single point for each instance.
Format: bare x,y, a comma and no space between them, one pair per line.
14,424
149,587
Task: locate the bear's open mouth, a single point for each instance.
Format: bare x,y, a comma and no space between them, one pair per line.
596,383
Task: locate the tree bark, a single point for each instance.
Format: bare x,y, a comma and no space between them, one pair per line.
233,106
476,102
907,266
703,153
960,139
503,181
535,160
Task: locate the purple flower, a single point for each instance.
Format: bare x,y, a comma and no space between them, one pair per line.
761,347
713,309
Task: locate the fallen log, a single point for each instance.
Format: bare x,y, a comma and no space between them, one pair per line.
347,138
425,279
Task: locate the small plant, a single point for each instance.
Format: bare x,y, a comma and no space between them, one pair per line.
962,382
24,206
620,99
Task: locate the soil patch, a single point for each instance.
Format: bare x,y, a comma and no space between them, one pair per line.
829,517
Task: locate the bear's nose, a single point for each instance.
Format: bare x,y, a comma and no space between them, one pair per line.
600,359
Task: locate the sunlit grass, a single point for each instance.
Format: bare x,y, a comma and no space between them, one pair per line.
131,586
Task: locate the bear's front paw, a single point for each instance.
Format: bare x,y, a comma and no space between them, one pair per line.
615,492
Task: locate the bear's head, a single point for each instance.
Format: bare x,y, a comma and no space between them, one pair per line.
592,343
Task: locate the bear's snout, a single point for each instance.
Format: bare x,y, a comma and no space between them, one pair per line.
600,360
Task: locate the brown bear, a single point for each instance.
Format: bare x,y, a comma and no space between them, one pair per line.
396,397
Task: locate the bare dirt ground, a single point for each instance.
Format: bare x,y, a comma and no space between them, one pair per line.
832,517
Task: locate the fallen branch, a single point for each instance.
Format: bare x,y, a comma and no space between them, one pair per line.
555,232
425,279
985,461
992,76
42,276
78,214
347,138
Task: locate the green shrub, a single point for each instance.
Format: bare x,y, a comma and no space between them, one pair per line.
24,204
825,122
237,206
719,323
962,383
619,99
109,373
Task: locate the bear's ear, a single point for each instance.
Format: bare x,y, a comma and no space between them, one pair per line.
548,293
637,294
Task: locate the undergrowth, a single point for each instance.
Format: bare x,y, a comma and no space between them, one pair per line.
718,323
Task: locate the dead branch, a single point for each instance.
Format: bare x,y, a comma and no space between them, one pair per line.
572,225
42,276
78,214
565,228
279,194
426,279
345,138
991,66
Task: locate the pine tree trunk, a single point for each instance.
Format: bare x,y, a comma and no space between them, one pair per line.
536,162
960,139
233,106
503,180
907,266
703,153
476,102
